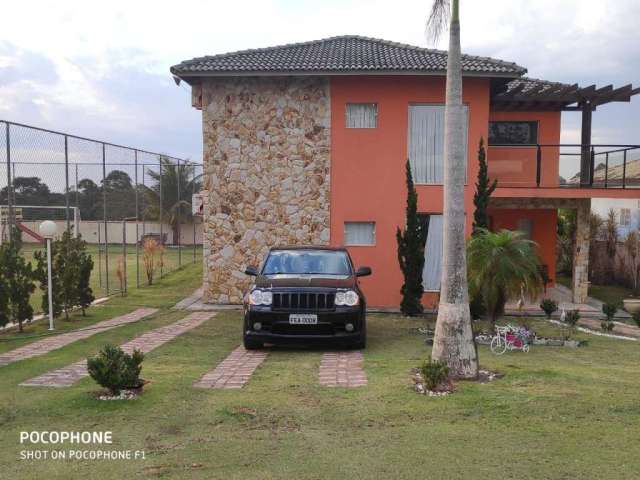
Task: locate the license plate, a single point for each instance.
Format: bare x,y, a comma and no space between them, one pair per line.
303,319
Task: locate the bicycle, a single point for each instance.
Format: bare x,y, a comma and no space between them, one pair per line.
509,338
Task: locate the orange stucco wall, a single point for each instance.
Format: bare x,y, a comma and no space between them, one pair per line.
516,166
544,226
368,165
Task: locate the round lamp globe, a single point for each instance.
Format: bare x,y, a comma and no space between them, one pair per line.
48,229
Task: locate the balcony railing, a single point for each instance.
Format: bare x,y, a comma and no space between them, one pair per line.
565,165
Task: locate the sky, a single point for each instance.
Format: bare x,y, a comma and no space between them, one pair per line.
101,69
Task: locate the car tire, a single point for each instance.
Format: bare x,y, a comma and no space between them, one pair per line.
252,344
360,344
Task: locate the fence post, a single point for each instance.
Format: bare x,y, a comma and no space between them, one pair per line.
606,169
124,256
193,217
161,226
10,217
538,165
137,226
66,183
178,180
624,169
104,216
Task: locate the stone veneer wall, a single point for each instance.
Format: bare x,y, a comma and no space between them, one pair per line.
266,163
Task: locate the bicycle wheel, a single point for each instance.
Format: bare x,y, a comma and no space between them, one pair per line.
498,345
525,348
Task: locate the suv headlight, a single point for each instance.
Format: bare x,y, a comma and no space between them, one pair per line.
348,298
260,297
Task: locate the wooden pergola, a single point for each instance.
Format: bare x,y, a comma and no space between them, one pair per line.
530,94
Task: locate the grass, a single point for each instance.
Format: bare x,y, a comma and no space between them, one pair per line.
605,293
558,413
107,266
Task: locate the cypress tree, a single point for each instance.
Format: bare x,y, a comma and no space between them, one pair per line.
85,266
484,189
411,245
16,283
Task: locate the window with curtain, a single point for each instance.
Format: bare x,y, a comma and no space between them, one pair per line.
361,115
359,233
426,143
525,225
432,254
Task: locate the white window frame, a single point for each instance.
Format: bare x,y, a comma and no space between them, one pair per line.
625,217
361,104
358,222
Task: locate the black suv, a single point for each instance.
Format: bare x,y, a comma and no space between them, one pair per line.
305,295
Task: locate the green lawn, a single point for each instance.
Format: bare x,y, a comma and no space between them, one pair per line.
557,414
105,267
604,293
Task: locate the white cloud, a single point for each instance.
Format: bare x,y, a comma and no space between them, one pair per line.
98,51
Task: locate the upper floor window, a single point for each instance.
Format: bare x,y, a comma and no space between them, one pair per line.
361,115
625,217
513,133
426,143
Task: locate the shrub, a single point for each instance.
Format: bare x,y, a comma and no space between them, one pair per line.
609,309
435,373
548,306
476,307
606,325
636,318
572,317
151,248
116,370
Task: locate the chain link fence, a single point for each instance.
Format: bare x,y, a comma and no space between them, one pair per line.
119,199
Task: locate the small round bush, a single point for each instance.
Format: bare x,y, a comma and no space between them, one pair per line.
548,306
435,373
116,370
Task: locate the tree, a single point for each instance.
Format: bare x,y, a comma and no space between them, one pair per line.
453,341
632,246
170,196
89,199
503,266
85,267
120,196
611,239
41,274
411,245
484,189
16,282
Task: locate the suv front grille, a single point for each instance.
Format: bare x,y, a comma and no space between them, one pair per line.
303,301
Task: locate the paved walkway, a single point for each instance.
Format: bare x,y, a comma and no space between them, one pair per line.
342,369
67,376
58,341
234,371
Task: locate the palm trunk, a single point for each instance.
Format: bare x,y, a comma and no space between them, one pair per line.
453,340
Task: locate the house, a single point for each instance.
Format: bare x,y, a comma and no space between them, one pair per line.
626,210
306,144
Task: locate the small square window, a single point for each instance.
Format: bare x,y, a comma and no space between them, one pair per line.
359,233
362,115
513,133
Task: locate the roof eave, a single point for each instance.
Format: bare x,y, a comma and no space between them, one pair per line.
190,77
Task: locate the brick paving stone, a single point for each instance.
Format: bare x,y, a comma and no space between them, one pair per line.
234,371
58,341
342,369
67,376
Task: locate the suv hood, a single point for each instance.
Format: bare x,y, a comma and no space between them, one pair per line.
297,281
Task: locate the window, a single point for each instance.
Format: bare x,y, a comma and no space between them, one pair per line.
359,233
326,262
625,217
513,133
426,143
362,115
525,225
432,270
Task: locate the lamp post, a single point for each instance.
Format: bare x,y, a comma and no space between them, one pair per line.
48,231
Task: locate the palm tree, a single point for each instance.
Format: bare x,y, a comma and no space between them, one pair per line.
169,198
503,266
453,341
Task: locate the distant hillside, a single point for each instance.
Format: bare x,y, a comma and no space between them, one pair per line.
614,174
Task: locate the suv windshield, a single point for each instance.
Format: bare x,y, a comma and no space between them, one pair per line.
321,262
